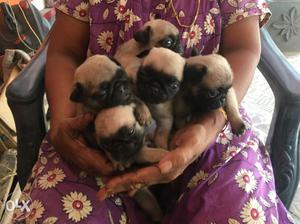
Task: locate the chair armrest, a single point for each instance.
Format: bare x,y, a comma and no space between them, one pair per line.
25,99
283,138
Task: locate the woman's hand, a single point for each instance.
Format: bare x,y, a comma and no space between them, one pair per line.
69,143
188,142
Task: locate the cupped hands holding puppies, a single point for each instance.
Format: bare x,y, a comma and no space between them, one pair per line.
188,144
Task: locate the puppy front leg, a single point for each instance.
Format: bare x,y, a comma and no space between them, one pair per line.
233,114
142,112
149,204
164,126
150,155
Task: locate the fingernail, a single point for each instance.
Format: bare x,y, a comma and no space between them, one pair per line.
165,167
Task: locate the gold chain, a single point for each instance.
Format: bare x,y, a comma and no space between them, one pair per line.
177,15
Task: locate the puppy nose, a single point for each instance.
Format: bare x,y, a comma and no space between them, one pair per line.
155,90
121,89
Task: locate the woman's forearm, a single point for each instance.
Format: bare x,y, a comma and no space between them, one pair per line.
243,63
58,83
66,52
243,56
240,45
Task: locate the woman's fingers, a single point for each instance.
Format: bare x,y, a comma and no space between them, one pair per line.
131,181
176,161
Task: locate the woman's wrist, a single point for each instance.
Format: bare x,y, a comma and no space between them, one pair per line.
213,122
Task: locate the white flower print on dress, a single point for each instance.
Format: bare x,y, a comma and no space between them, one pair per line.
246,180
81,11
253,145
238,15
120,9
105,40
224,137
77,206
129,19
263,6
209,24
233,221
50,220
51,179
230,152
252,213
273,197
99,182
274,219
193,36
123,218
266,175
36,211
56,160
199,176
264,202
94,2
63,8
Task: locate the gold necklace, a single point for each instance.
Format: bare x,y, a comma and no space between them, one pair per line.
177,14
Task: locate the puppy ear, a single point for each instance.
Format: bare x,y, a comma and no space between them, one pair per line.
143,36
200,69
77,92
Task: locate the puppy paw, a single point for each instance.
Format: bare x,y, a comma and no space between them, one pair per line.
144,118
143,115
238,128
118,166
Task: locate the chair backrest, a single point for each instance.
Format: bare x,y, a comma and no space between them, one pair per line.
25,98
284,135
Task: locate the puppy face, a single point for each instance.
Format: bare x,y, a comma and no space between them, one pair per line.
159,77
118,133
101,83
206,81
159,33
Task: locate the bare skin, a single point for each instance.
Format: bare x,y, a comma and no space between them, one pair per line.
242,52
67,50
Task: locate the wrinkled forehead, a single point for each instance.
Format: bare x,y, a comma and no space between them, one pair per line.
109,121
162,29
96,69
165,60
218,71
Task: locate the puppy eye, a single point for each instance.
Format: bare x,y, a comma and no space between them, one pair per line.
167,43
175,86
212,93
131,131
100,94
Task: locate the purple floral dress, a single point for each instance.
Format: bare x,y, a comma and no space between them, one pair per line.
232,182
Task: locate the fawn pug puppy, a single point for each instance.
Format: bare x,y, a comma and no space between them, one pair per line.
122,137
101,83
158,81
154,33
206,86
